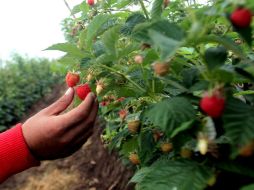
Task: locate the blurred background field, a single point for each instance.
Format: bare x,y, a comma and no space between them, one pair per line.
23,82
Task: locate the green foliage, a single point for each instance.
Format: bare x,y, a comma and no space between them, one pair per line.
166,174
169,114
162,60
23,82
239,119
249,187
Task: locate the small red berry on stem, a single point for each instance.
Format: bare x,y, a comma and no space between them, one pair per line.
72,79
213,105
83,90
105,103
123,113
241,17
165,3
91,2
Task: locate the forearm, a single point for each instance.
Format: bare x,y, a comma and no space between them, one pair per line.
14,153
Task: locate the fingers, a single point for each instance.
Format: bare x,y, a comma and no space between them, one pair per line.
72,133
61,104
81,112
87,124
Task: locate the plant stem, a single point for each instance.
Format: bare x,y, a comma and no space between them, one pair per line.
144,8
69,8
127,78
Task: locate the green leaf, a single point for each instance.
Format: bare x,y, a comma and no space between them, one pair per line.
238,123
131,22
140,174
110,38
220,75
169,114
170,175
146,147
170,30
248,187
122,3
157,9
76,9
69,60
246,34
215,56
94,26
129,146
235,167
68,48
246,92
167,46
225,41
183,127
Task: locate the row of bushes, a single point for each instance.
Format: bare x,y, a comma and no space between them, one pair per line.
23,81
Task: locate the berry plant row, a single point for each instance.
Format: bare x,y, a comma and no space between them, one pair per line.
175,85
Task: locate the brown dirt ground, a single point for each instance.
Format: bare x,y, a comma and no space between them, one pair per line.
90,168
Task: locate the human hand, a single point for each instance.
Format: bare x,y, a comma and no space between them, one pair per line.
51,135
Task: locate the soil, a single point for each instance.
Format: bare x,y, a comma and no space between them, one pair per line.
90,168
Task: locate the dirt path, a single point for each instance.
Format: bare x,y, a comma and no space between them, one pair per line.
91,168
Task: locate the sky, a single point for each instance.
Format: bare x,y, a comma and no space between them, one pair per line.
29,26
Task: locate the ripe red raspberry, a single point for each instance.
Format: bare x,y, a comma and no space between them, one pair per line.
121,99
212,105
241,17
83,90
72,79
105,103
123,113
90,2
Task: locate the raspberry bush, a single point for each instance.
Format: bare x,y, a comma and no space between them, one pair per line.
175,81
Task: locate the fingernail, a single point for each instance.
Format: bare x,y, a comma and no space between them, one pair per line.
68,92
92,95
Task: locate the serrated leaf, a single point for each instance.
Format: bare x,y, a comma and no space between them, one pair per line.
215,56
93,27
98,48
68,48
127,50
157,9
246,92
183,127
76,9
238,123
122,3
248,187
170,30
129,146
237,168
131,22
169,114
68,60
140,174
226,42
146,147
169,175
110,38
167,46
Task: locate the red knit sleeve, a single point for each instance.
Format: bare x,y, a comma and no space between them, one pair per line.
14,153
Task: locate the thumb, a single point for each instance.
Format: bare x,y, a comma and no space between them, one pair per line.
61,104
